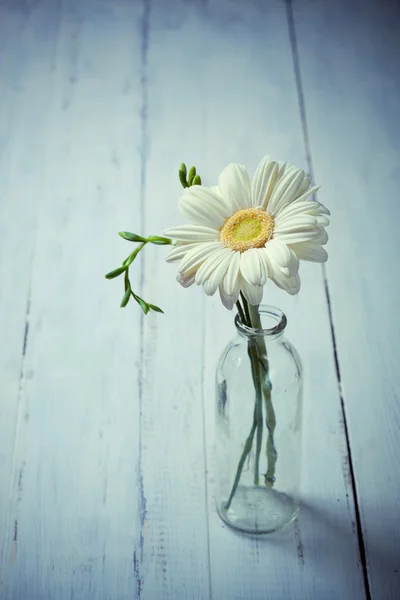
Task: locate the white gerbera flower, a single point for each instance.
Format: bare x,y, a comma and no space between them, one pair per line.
243,232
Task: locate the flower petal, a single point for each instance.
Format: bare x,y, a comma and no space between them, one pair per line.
232,274
300,235
217,276
201,214
306,207
234,185
185,280
228,300
250,267
193,233
197,255
287,190
294,285
323,220
179,251
212,262
264,265
263,182
310,192
294,223
252,293
289,283
282,257
310,251
203,206
322,239
323,210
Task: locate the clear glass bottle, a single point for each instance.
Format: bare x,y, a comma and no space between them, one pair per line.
258,427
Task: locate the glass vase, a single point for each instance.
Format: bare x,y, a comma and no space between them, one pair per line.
258,426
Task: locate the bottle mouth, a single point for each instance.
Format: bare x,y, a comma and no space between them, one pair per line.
273,322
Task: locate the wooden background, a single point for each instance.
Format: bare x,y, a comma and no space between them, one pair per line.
106,430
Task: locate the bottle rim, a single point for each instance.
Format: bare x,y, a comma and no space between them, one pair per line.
271,311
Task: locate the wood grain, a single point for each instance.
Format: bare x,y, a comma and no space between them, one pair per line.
73,515
352,93
107,417
25,84
175,550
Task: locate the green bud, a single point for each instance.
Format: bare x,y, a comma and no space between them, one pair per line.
183,168
126,297
155,308
116,272
182,179
197,180
161,241
131,237
192,175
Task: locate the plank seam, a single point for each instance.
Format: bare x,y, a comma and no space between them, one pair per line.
207,492
13,475
143,156
203,414
307,145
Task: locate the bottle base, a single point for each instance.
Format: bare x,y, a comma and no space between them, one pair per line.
258,510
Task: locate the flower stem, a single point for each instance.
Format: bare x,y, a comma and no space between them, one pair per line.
260,372
241,313
246,310
247,447
253,314
259,427
270,420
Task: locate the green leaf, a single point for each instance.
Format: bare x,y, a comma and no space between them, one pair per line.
143,305
192,175
127,282
126,297
182,179
155,308
197,180
116,272
161,241
131,237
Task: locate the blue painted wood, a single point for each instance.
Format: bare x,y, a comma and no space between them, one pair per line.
253,109
25,85
349,64
72,523
106,418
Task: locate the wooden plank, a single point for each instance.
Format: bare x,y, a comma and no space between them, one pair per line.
348,55
175,551
73,524
25,81
251,110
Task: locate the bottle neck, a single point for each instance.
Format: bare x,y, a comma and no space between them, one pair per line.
272,324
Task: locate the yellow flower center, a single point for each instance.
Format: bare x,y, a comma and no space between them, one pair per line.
248,228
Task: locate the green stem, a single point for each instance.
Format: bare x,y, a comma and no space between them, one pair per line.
247,447
259,428
270,420
257,416
246,310
258,387
241,313
128,261
260,372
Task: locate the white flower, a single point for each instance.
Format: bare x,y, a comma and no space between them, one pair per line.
243,232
